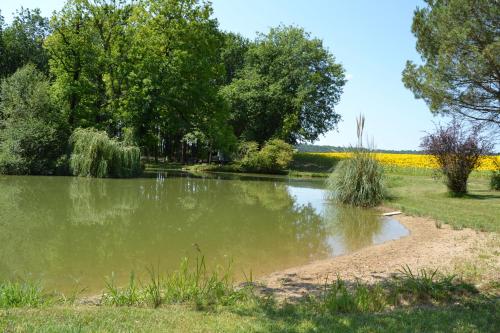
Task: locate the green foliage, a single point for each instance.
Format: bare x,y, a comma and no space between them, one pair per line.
152,66
233,55
188,285
274,156
428,285
286,89
94,154
495,181
21,42
159,71
126,296
338,298
358,181
33,132
313,162
20,294
459,44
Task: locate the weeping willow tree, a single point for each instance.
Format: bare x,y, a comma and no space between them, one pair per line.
94,154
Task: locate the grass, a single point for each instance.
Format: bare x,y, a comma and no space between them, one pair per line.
471,316
22,293
424,301
358,181
427,196
190,284
313,163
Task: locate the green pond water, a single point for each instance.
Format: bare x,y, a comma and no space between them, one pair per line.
72,232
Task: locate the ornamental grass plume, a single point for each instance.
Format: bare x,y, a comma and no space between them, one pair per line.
359,180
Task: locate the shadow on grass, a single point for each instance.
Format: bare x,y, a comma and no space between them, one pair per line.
476,196
478,315
423,301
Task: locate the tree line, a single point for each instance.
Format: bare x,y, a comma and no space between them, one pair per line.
160,75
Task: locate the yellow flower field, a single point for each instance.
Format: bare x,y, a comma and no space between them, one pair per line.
416,160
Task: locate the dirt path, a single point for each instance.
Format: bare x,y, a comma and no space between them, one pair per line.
426,247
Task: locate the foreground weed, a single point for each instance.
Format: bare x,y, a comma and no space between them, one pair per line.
121,296
21,293
152,291
429,285
339,298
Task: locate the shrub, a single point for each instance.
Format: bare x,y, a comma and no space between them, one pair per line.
274,156
457,152
94,154
33,132
359,180
495,181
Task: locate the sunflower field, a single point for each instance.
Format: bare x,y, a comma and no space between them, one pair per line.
488,163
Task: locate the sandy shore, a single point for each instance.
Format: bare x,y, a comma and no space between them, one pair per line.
427,246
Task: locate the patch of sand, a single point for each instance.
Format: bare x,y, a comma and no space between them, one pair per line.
426,247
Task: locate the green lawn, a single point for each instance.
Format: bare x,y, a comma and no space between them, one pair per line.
473,316
424,196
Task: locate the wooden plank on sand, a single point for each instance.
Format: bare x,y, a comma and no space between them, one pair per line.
392,213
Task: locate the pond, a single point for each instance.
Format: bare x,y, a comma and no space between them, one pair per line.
70,232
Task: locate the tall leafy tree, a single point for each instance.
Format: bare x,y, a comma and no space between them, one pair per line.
32,130
21,42
287,88
459,41
150,66
88,58
233,54
2,46
176,70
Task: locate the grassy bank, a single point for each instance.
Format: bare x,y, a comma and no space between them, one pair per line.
470,316
424,301
425,196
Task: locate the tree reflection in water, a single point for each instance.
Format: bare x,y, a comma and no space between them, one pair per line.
59,229
351,227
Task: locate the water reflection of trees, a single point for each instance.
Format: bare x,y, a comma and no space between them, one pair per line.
86,227
96,201
353,227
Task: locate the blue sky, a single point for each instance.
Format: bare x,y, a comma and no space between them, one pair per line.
372,39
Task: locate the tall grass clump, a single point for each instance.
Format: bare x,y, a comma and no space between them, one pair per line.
360,298
407,288
21,294
94,154
427,285
359,180
190,284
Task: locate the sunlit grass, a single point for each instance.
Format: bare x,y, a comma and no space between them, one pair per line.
22,294
192,284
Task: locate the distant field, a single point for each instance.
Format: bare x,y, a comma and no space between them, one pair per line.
488,163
